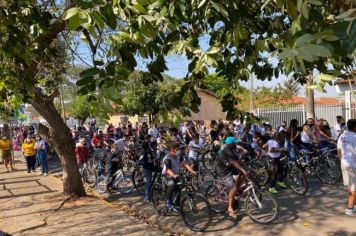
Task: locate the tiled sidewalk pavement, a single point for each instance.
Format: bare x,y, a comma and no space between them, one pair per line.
32,205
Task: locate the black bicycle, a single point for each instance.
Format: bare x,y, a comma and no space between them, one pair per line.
195,209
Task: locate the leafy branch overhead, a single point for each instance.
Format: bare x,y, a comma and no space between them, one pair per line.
303,34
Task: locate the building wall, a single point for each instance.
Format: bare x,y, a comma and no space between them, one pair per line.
210,108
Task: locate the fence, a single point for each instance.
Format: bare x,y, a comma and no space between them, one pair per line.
276,115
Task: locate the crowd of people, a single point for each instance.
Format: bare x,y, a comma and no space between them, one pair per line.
166,144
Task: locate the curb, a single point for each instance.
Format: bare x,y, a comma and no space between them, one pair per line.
129,211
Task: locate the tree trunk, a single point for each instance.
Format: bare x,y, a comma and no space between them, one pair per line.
7,130
310,98
58,135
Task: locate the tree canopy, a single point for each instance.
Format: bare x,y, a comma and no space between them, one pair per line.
304,35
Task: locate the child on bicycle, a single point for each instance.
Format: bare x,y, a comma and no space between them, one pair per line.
172,165
275,148
194,150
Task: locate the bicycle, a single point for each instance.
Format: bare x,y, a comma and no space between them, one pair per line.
118,181
322,164
88,174
195,209
257,201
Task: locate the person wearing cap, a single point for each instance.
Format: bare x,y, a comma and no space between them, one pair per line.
29,152
5,146
228,166
82,152
40,147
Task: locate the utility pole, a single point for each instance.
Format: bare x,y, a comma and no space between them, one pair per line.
310,106
252,105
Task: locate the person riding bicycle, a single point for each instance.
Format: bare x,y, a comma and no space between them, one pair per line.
82,152
113,161
194,148
228,166
172,165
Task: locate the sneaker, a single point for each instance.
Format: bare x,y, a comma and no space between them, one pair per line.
272,190
147,200
282,184
350,212
45,174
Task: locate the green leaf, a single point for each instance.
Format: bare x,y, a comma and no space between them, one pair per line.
221,9
70,13
305,10
303,39
147,30
346,14
305,55
292,10
202,3
317,50
139,8
97,19
325,77
149,18
285,53
89,72
74,22
85,80
316,2
299,5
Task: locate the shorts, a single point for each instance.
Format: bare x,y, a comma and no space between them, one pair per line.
345,175
6,155
229,181
351,178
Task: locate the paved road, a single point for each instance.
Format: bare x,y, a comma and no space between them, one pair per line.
29,203
320,212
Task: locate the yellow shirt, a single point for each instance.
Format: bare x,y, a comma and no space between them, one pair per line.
5,145
29,148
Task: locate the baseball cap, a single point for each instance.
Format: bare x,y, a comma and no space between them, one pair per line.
230,140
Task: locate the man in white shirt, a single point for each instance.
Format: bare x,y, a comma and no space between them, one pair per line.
153,131
339,127
194,148
122,144
347,150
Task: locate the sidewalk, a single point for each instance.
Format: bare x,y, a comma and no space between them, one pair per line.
31,204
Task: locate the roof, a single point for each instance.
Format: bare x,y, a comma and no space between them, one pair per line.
323,101
344,81
208,92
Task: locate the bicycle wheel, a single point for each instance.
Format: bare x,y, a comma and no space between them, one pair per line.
159,198
128,167
123,184
297,181
100,184
218,202
260,170
139,180
88,176
208,161
196,212
262,207
327,171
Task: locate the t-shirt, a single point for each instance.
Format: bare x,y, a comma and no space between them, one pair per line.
5,145
273,144
121,144
153,132
40,145
347,144
192,153
173,163
224,166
